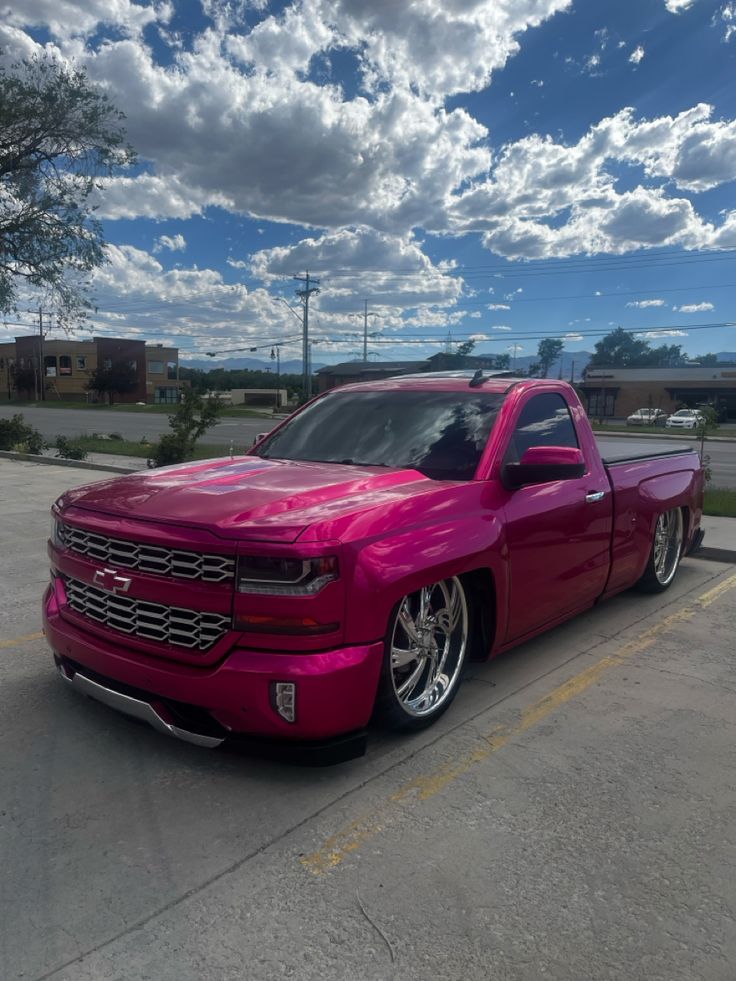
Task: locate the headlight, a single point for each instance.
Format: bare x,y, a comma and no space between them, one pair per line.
57,533
285,577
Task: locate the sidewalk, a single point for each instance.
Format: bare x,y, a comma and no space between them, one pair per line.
719,544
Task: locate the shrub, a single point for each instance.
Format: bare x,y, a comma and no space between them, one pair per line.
191,419
15,434
69,449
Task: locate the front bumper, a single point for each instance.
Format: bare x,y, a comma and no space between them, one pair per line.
335,690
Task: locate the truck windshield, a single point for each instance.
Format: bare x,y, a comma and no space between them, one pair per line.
441,434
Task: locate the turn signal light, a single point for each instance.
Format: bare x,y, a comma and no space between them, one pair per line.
283,699
282,625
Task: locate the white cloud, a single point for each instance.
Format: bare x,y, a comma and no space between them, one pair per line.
498,306
74,18
358,261
695,307
677,6
573,337
652,334
175,243
501,327
636,55
643,304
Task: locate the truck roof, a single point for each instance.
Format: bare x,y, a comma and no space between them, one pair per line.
446,381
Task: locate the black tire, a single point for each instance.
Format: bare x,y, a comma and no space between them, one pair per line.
426,649
665,554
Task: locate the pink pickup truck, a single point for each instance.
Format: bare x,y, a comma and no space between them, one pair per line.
357,558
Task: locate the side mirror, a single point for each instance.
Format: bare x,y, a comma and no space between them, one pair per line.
540,464
259,437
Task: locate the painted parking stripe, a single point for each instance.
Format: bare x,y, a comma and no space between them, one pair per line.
351,838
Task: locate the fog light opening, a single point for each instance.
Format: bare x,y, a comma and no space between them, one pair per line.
283,699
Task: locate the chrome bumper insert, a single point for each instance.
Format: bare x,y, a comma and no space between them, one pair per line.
152,713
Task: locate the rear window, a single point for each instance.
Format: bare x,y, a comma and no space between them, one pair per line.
441,434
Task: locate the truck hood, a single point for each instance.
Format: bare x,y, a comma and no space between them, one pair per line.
248,498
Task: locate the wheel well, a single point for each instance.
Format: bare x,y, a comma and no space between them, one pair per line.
481,591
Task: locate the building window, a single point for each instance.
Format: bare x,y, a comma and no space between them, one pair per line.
81,362
155,367
107,364
65,364
601,404
171,372
49,363
164,395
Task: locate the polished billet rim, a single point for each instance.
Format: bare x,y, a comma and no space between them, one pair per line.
667,545
428,644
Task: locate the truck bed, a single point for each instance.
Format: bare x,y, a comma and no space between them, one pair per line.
622,449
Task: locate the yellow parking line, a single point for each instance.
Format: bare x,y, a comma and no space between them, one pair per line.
337,847
16,641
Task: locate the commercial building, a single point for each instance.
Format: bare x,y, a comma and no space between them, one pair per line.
358,371
61,369
617,392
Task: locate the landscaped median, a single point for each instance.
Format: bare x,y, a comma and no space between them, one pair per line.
720,502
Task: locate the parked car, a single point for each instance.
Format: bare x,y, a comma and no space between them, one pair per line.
647,417
356,558
685,419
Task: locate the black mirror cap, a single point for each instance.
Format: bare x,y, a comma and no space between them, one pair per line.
516,475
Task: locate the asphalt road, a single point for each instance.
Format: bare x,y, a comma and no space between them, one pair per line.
131,425
242,432
571,817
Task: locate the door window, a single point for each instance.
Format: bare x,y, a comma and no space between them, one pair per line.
544,421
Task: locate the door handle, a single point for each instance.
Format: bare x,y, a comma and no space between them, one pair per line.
592,496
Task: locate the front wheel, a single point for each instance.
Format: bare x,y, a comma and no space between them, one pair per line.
426,647
666,552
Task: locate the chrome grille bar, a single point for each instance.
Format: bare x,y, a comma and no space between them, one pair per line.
173,625
179,563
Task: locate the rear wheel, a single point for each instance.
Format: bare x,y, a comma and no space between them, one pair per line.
426,648
666,552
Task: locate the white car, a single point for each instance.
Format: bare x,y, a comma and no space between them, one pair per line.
685,419
646,417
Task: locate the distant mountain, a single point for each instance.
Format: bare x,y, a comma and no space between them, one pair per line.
293,367
729,356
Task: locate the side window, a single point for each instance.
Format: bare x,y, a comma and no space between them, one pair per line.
544,421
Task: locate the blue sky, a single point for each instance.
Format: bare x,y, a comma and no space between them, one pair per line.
487,169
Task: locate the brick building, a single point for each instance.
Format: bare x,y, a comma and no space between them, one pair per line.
617,392
68,365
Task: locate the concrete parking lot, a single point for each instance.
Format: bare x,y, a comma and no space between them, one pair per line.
573,816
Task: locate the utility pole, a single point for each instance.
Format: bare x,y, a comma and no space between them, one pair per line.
515,348
304,295
276,353
42,365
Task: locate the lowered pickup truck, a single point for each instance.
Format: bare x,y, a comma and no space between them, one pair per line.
352,563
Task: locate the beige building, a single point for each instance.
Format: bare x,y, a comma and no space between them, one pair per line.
61,369
617,392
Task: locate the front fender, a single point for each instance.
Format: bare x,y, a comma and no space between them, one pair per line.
399,563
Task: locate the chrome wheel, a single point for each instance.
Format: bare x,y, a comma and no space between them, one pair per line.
667,546
428,644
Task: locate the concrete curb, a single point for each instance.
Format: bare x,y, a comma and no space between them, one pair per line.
54,462
726,555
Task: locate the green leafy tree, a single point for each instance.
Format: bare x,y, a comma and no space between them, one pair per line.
705,359
548,351
119,379
622,349
58,136
502,362
193,417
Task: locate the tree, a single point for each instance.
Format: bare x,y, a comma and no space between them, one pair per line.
623,349
548,352
619,349
58,136
193,417
24,379
706,359
502,361
119,378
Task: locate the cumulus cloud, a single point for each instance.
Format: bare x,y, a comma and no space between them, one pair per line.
695,307
643,304
385,268
174,243
636,55
498,306
69,18
677,6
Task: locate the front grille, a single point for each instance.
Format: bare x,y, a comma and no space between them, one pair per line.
151,621
179,563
